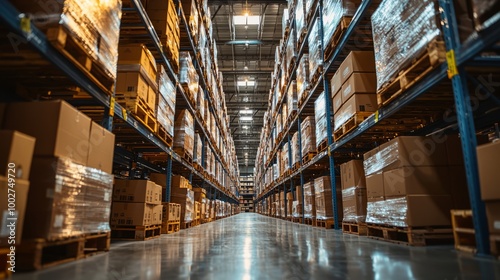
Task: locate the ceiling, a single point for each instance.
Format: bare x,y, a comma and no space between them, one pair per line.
246,53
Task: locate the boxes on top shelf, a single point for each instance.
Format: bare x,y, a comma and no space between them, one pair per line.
315,54
334,11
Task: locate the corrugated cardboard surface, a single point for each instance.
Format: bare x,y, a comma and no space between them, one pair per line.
16,148
488,160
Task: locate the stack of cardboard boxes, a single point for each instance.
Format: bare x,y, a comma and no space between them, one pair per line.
320,119
182,193
308,135
184,133
188,77
323,197
303,77
297,203
165,102
309,201
353,183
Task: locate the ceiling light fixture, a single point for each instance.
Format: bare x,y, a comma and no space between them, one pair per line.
246,112
246,118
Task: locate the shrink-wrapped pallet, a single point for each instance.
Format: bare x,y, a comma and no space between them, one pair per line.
308,135
303,77
187,74
184,133
320,118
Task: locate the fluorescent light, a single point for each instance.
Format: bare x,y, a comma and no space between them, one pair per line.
246,111
246,118
246,83
245,127
246,20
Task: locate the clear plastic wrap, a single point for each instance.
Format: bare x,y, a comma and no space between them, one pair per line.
401,32
165,115
308,135
388,212
320,118
198,149
309,200
184,133
285,157
187,73
297,209
292,98
303,77
284,21
201,101
315,57
291,51
354,204
333,11
93,24
300,17
295,148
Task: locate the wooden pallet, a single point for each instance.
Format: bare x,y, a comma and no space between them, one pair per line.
74,51
463,230
301,35
297,220
140,111
295,167
303,98
337,35
308,157
164,136
183,154
354,228
171,227
428,60
413,236
317,75
141,233
310,221
35,254
322,146
495,245
4,265
350,124
325,223
310,13
185,225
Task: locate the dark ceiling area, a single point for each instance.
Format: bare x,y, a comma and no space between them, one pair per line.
247,34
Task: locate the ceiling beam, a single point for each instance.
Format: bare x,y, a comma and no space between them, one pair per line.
263,71
250,42
230,2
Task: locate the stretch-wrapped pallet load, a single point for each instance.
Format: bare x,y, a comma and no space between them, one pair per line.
315,57
285,21
200,106
182,193
308,135
165,107
295,149
291,51
303,77
198,149
408,183
309,200
184,133
485,12
320,118
292,98
300,17
353,191
334,12
190,9
402,30
188,77
286,157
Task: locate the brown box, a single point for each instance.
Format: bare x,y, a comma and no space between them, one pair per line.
60,130
459,189
171,212
289,196
136,191
337,101
354,203
19,198
138,54
370,153
336,83
179,182
352,174
16,153
131,214
430,180
359,83
375,185
488,161
157,216
493,214
357,103
132,85
101,148
428,210
357,61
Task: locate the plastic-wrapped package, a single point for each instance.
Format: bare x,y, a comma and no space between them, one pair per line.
189,213
285,21
315,57
275,171
198,149
295,148
333,11
187,74
291,51
320,118
201,101
308,136
401,32
190,10
165,102
184,133
485,11
354,204
309,200
388,212
303,76
285,157
300,17
292,98
297,209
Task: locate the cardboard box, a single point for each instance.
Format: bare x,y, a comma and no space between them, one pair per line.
454,150
171,212
493,214
138,54
357,103
135,191
459,189
132,85
357,61
337,101
359,83
131,214
429,180
375,185
157,216
428,210
336,83
21,188
352,174
488,160
16,153
101,148
289,196
60,130
354,205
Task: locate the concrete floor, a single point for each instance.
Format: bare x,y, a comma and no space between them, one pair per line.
250,246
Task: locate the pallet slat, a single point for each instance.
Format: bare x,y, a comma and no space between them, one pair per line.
136,232
463,230
411,236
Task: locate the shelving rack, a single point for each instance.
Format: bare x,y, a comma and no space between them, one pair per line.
133,139
247,193
393,119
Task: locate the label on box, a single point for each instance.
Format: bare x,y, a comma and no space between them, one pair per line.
58,221
107,196
496,225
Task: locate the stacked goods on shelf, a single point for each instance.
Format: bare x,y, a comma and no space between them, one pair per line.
72,158
285,22
308,138
315,54
292,100
297,203
353,183
136,82
171,217
289,204
408,182
487,156
188,77
285,156
165,105
184,134
282,204
323,194
92,26
295,150
309,201
182,193
16,154
137,210
485,12
337,15
291,54
200,100
190,9
321,122
302,78
163,16
198,149
300,20
413,30
353,90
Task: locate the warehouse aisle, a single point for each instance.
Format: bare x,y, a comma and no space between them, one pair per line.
251,246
